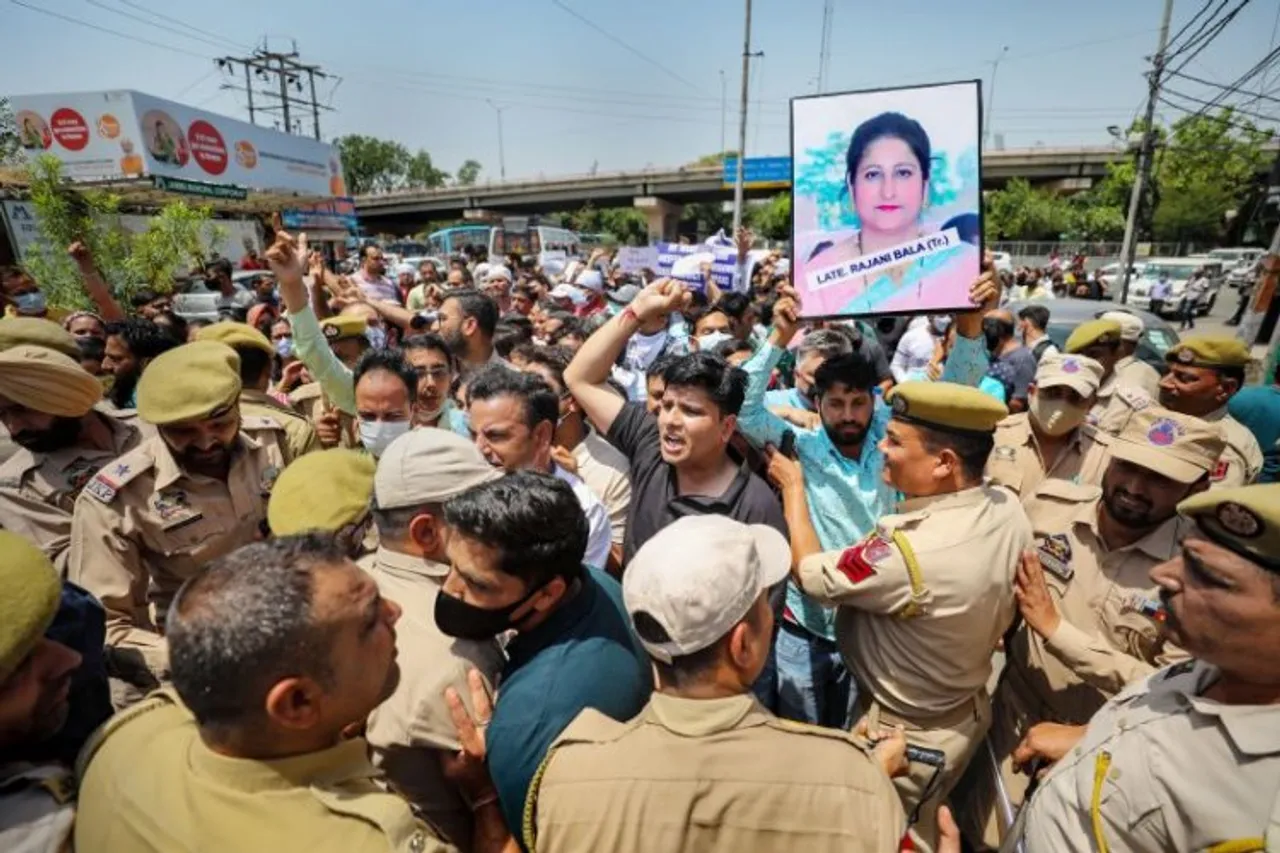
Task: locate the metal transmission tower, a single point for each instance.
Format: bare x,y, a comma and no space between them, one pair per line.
824,52
291,97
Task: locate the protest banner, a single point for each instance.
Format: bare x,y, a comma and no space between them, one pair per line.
724,261
632,259
886,214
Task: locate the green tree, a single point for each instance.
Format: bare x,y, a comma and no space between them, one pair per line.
714,159
1023,212
773,219
370,164
705,218
468,172
421,173
177,238
10,146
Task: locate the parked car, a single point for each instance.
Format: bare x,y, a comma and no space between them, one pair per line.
1239,263
200,302
1112,279
1179,271
1158,337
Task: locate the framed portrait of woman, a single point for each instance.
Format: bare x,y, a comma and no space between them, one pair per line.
886,216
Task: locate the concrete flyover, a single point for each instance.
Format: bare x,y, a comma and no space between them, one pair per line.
661,192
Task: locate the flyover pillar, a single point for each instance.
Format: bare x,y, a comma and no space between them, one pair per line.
663,218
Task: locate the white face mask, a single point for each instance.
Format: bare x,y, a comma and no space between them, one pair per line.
376,436
1056,417
709,341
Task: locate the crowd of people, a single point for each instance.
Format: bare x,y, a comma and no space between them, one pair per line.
586,559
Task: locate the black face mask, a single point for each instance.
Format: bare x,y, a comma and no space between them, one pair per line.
457,618
996,332
122,388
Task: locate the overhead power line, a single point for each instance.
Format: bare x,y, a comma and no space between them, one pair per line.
1209,36
1176,48
108,31
632,50
221,44
1253,96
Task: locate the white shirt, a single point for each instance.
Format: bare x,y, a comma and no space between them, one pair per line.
608,474
599,533
915,350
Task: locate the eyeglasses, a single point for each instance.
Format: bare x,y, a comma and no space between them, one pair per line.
431,372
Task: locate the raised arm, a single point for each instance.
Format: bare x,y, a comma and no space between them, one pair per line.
94,284
587,374
968,360
760,425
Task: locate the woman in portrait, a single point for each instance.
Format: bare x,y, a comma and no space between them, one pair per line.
887,170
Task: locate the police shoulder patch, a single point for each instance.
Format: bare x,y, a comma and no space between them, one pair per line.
259,422
114,476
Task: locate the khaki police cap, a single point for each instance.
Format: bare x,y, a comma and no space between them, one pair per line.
236,336
1131,325
429,466
1174,445
1093,332
1077,372
1210,351
1245,519
344,326
946,405
29,595
189,382
37,332
325,490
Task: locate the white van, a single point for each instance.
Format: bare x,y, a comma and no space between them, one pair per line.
1238,262
547,242
1179,271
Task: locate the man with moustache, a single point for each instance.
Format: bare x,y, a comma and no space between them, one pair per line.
131,345
158,514
1187,759
51,407
1090,619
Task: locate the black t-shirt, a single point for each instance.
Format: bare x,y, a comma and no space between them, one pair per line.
654,501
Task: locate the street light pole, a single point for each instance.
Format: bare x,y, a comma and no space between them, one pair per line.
742,124
724,109
1128,247
991,96
502,157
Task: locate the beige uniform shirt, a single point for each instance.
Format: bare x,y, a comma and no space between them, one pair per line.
607,473
1239,465
302,436
716,775
38,490
142,526
37,808
1163,768
152,786
1016,461
408,730
966,545
309,402
1129,372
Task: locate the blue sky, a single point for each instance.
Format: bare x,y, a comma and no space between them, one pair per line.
422,72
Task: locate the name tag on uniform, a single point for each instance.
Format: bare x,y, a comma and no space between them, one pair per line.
1055,556
174,510
1137,603
1004,453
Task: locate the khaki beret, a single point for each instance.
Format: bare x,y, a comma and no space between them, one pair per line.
29,595
1245,519
344,326
236,336
1093,332
1210,351
189,382
41,333
47,381
1080,373
325,490
1180,447
946,405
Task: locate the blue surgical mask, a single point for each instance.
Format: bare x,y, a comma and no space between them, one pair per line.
284,347
376,436
377,336
31,303
709,341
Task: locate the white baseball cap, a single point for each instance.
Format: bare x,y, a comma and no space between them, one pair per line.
499,272
428,466
700,576
591,280
569,292
1131,325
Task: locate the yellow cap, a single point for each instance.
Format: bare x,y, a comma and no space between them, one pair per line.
1080,373
946,405
1093,332
344,326
37,332
325,490
236,336
47,381
1245,519
1210,351
29,595
189,382
1177,446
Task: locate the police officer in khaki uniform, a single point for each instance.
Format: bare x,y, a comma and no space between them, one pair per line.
1189,759
38,332
925,598
330,491
704,766
1051,438
1091,617
1204,373
346,331
157,515
1099,340
1130,371
279,649
36,800
50,405
256,354
416,475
